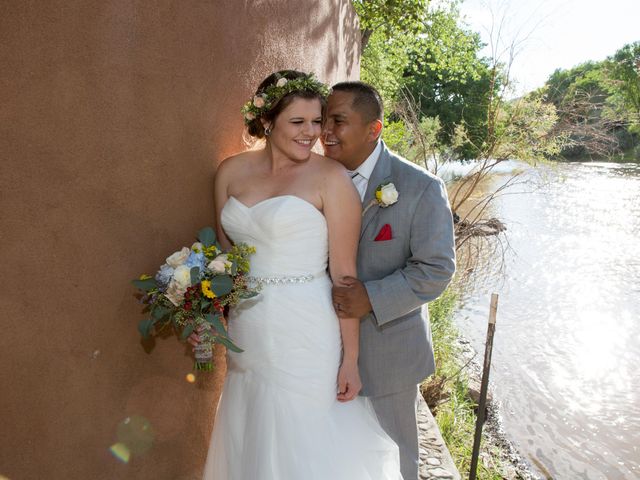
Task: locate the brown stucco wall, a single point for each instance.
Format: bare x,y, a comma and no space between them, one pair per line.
113,116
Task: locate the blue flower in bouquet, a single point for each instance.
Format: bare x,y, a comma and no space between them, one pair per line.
164,275
196,259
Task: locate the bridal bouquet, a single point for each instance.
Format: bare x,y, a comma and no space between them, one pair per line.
191,290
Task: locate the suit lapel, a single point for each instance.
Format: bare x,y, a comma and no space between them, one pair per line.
381,174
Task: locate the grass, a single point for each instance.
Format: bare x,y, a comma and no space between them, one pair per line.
447,394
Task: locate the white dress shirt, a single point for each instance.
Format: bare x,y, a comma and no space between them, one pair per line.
361,175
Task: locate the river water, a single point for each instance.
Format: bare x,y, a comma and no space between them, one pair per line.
566,359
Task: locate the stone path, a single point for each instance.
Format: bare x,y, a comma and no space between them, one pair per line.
435,459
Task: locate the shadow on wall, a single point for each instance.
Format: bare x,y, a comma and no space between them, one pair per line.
326,43
114,114
345,39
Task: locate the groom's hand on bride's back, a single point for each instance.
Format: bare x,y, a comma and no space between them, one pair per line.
351,300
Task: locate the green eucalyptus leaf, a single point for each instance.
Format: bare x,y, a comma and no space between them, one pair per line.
221,285
146,285
186,331
159,312
205,304
195,275
145,326
207,236
214,320
244,295
234,268
228,343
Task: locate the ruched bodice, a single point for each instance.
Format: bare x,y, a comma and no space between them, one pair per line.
289,234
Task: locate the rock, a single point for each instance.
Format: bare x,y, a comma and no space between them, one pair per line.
440,473
435,459
474,392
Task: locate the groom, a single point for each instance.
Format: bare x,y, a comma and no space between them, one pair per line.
406,258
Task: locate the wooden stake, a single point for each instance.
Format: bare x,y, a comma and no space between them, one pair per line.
493,309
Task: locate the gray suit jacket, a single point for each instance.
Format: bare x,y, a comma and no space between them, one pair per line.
402,274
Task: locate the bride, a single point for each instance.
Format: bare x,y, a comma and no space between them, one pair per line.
290,408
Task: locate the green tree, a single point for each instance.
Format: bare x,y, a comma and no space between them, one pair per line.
419,49
580,99
384,62
598,105
623,84
389,17
449,78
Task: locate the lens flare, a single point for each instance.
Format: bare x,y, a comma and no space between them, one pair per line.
190,378
120,451
136,434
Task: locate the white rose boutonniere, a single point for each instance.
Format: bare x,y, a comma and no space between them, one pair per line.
386,195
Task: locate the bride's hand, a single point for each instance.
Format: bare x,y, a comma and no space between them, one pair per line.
349,384
194,338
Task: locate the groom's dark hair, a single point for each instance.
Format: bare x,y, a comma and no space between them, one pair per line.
366,99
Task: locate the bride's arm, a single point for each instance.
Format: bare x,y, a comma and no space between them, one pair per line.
220,197
343,211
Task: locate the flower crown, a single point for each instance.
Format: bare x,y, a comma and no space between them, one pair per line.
265,100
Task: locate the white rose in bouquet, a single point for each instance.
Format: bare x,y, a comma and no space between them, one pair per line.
220,264
178,285
174,293
178,258
182,277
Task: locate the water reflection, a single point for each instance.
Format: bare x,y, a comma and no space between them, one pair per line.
567,341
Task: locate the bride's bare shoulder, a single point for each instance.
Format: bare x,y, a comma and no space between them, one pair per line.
329,166
336,181
237,163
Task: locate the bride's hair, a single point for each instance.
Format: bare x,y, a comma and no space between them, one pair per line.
277,97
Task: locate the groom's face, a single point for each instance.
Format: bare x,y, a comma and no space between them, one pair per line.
346,136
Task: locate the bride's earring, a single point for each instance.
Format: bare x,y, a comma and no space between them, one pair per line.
267,131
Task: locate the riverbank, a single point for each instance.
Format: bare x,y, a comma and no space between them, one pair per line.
449,394
511,464
628,156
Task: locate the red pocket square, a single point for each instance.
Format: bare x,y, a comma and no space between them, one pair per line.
384,233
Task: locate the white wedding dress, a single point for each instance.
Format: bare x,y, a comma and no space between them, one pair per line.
278,417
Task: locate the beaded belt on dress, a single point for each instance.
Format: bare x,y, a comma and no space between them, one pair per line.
282,279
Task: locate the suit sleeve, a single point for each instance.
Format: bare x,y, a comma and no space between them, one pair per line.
430,266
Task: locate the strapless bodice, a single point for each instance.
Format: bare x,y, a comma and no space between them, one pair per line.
288,232
278,417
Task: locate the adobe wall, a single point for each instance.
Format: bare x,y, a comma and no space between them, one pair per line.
113,116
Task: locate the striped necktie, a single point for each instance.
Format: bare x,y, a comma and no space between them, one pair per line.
359,182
